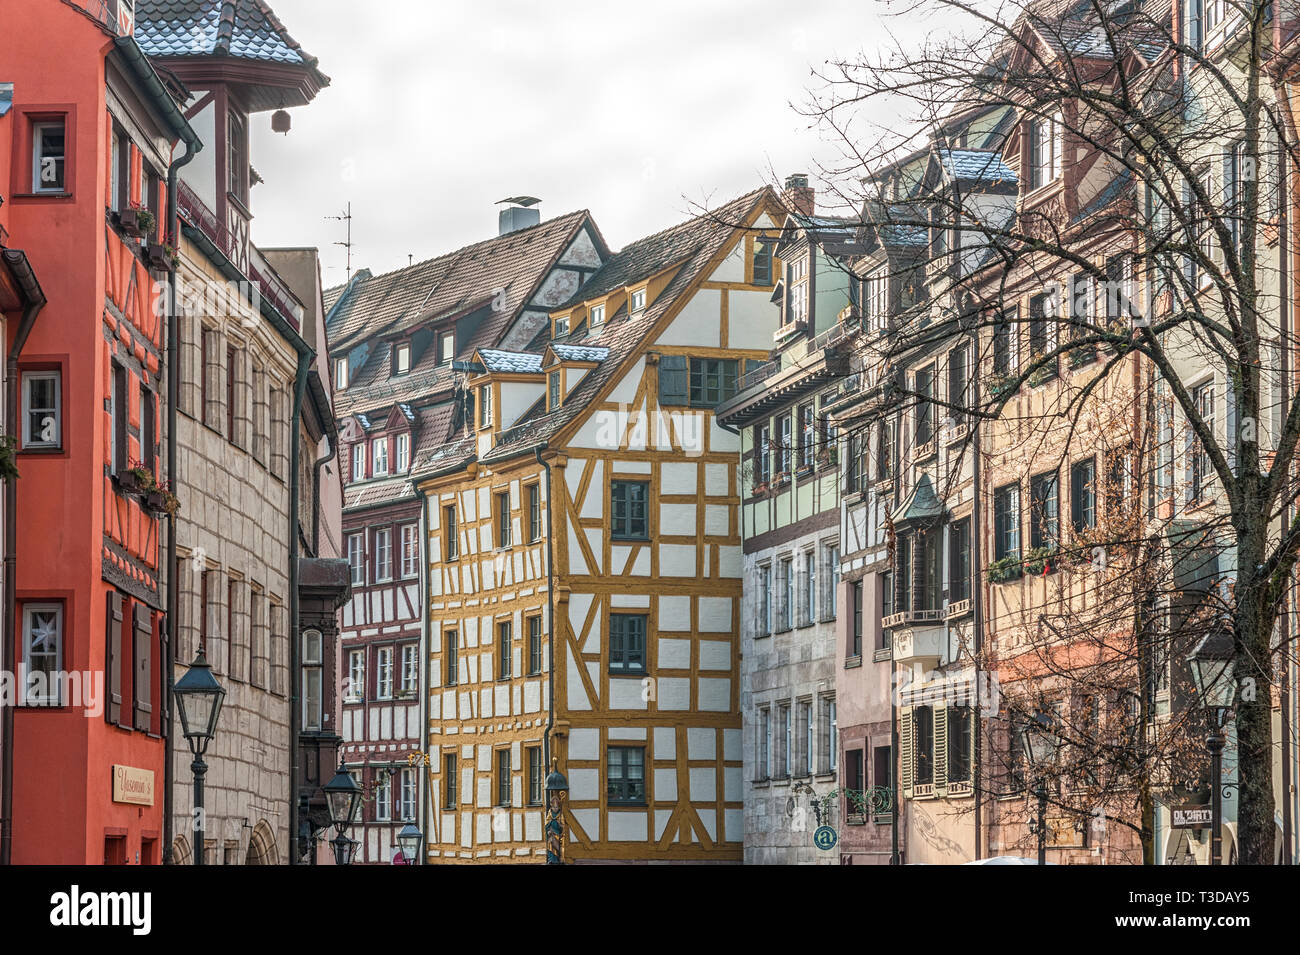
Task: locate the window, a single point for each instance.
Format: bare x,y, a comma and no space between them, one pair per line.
1046,150
882,767
505,536
884,636
148,427
561,327
383,554
1044,519
830,604
762,454
451,653
627,643
450,537
784,739
762,262
1214,12
923,728
959,560
402,359
625,775
341,374
1200,467
504,653
630,510
1006,522
119,173
534,513
384,673
356,691
449,775
379,457
236,156
410,550
924,387
410,679
829,744
535,776
403,453
312,669
534,645
931,585
406,796
383,795
809,583
785,580
903,577
713,381
503,777
855,636
552,391
1006,344
805,738
42,412
764,743
1083,495
357,557
638,301
806,443
957,378
884,452
48,156
597,315
121,416
764,600
42,654
877,299
959,744
783,450
1042,324
232,389
358,461
485,406
855,782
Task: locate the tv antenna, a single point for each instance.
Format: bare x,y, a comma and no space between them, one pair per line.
346,217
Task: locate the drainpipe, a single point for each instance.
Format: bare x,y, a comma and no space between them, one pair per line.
550,610
35,302
426,790
977,592
295,649
172,609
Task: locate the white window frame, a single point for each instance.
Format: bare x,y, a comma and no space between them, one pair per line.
30,697
356,676
403,453
383,796
383,554
38,185
409,678
56,376
411,543
313,686
402,359
384,673
379,456
357,567
638,301
341,377
406,796
359,461
597,316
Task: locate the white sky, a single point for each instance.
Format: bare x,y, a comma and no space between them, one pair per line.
438,109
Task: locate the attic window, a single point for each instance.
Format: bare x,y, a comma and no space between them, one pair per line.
553,391
561,327
341,374
485,406
762,262
638,300
402,359
597,315
1046,150
446,348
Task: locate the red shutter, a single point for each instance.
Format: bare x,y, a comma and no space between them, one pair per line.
143,681
113,656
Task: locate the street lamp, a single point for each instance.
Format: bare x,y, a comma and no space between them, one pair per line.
198,698
557,791
409,838
1212,663
344,798
1040,744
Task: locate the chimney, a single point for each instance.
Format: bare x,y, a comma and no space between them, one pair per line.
799,196
520,213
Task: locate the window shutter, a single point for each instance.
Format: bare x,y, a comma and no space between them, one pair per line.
905,744
143,680
940,748
112,645
674,385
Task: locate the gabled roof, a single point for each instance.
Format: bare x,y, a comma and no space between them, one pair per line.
976,165
510,361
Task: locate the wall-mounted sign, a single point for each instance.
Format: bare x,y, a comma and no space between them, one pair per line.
1191,817
131,785
825,837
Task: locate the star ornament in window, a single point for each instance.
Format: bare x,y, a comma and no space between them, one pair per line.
45,633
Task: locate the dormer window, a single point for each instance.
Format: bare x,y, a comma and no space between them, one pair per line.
553,391
359,461
762,262
1046,150
446,348
341,374
597,315
561,327
485,406
638,301
403,453
402,359
379,456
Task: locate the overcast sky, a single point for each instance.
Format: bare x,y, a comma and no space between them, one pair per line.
436,110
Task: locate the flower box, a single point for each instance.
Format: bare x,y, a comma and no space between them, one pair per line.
1006,569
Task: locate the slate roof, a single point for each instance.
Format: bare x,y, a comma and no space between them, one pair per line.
976,165
692,244
244,29
510,361
567,352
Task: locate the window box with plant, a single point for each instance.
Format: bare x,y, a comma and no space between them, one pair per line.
1041,560
1082,356
1000,384
137,221
161,257
1042,375
1005,569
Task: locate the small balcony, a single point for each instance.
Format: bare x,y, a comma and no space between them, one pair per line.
921,640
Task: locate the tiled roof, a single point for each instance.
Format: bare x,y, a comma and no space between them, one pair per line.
244,29
979,165
567,352
374,493
516,361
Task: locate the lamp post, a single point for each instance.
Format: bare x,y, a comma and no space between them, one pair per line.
1040,744
1212,663
409,838
198,698
344,798
557,792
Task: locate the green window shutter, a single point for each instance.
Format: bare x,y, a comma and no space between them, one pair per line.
940,748
674,380
906,742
